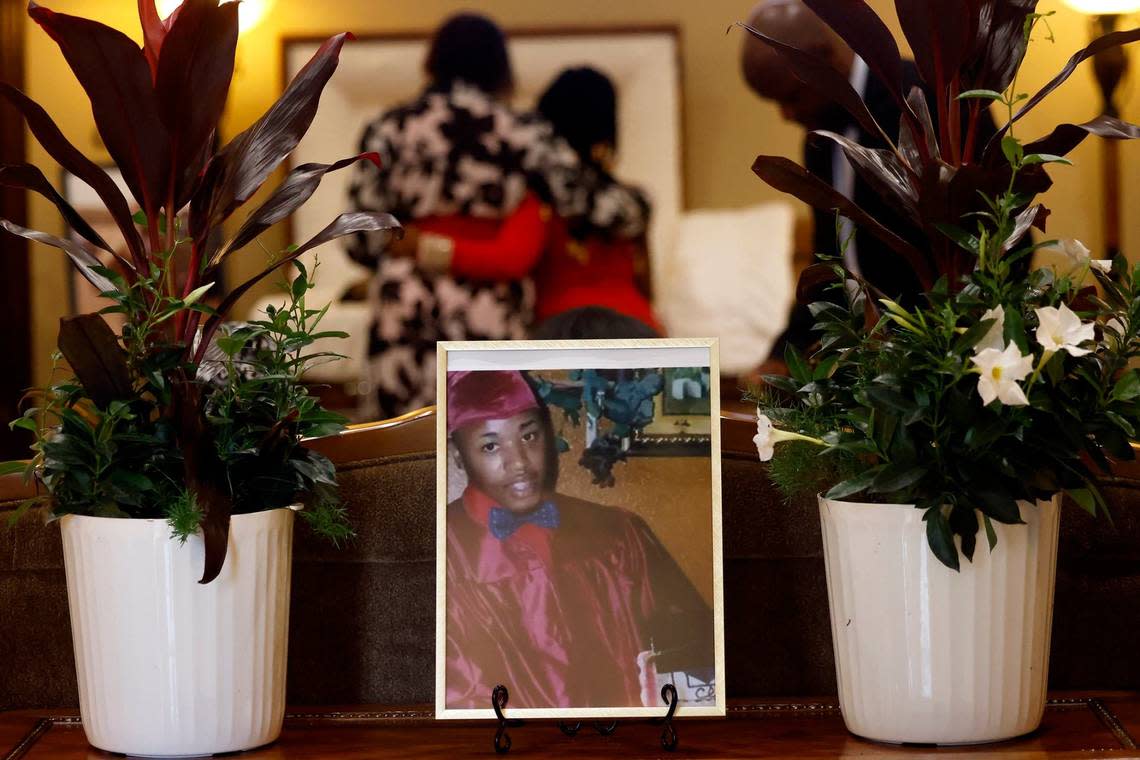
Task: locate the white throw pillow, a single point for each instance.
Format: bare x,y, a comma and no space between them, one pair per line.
730,276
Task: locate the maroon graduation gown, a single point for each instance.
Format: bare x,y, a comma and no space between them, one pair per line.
560,615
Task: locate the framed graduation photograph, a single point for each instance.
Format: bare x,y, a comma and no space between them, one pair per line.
581,577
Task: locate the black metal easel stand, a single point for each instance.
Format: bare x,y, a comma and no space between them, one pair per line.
500,695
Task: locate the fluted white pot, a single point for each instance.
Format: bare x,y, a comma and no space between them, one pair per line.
926,654
167,666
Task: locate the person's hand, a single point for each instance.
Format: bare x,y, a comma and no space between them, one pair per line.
405,247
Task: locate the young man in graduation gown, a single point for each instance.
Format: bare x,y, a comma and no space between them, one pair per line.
566,602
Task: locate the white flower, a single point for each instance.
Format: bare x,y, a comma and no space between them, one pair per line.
1062,330
1001,372
765,446
768,436
995,337
1075,253
1104,265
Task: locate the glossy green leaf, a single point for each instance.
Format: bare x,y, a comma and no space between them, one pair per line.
857,484
893,478
1127,387
991,534
11,468
981,95
1083,498
1012,150
965,240
1122,423
1045,158
798,368
941,538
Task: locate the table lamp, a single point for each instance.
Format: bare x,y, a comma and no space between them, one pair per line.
250,12
1110,67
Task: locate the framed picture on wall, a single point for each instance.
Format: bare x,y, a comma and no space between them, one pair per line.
682,421
581,579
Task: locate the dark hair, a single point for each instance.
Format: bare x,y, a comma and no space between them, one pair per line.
473,49
589,322
581,105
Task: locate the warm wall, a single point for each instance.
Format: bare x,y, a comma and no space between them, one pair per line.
725,127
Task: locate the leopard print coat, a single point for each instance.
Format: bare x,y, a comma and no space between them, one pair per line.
461,152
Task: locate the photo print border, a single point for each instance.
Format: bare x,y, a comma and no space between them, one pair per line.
536,356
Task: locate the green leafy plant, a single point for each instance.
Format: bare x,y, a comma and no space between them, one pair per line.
1002,383
141,431
615,404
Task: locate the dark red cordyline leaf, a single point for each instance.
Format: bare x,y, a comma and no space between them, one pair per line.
944,197
949,193
882,171
999,44
69,157
941,37
28,177
80,256
194,73
280,440
345,224
153,34
216,508
811,279
1022,224
909,146
169,21
297,188
789,177
95,356
242,166
821,76
1065,137
869,37
204,473
1107,42
113,71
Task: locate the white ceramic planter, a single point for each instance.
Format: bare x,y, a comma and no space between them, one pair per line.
925,654
167,666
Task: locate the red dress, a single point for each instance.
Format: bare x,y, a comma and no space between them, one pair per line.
591,272
494,249
560,615
570,273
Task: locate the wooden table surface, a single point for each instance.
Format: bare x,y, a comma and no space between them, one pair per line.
1101,724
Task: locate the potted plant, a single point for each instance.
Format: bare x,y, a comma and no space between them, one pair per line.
184,424
968,413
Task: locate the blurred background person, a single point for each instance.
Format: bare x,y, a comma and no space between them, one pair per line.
580,265
592,323
455,162
766,73
590,269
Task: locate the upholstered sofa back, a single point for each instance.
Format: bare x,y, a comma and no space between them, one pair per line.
363,616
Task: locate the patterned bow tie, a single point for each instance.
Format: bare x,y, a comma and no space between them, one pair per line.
503,522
